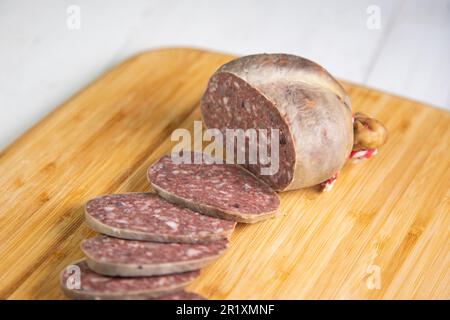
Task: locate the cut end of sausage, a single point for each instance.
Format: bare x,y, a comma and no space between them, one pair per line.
235,104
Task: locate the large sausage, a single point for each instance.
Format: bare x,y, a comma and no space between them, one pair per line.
182,295
292,94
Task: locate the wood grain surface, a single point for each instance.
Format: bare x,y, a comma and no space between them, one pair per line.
387,217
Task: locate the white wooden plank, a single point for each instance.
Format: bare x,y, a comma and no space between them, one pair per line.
333,33
43,63
415,58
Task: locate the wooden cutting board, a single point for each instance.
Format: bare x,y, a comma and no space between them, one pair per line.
383,232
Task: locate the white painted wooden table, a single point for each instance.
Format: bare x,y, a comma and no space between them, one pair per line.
45,58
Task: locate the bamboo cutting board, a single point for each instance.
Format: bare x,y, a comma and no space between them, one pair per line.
383,232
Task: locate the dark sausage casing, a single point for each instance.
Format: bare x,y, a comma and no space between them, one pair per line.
295,95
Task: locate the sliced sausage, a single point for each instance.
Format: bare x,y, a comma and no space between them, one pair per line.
131,258
146,216
79,282
294,95
220,190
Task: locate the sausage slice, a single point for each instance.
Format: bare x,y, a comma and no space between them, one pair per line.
146,216
79,282
220,190
131,258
